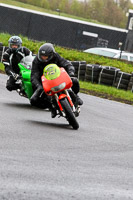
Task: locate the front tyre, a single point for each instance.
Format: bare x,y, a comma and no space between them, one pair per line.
69,114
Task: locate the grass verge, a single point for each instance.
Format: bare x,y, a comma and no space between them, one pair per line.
107,92
73,55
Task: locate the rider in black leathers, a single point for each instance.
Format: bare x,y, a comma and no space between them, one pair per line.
11,57
47,55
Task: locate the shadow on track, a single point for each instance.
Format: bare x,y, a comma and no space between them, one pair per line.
50,124
39,123
19,105
24,106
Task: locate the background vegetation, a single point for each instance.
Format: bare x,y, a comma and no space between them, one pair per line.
111,12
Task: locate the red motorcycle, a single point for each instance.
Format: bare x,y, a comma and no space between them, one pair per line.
57,84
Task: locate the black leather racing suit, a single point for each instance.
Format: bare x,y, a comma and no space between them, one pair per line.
37,72
10,60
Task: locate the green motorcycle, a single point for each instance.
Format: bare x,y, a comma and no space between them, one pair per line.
24,78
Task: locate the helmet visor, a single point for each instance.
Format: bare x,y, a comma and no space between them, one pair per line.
45,57
14,45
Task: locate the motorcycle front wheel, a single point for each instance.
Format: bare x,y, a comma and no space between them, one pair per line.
69,114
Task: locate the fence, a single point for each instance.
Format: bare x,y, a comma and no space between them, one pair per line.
59,30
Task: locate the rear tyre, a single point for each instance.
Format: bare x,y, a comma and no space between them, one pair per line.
69,114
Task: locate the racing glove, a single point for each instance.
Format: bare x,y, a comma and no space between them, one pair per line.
14,75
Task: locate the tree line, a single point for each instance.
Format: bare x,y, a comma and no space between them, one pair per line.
111,12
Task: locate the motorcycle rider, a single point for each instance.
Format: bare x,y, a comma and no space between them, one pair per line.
11,57
47,55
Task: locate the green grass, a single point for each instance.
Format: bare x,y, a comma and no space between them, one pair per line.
73,55
1,67
107,91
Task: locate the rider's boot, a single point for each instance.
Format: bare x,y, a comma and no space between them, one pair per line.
53,112
52,107
36,95
79,101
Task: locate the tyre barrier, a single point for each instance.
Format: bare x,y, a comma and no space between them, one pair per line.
107,75
130,84
81,72
80,69
92,72
122,80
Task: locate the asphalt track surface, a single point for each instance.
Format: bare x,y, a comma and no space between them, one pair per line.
45,159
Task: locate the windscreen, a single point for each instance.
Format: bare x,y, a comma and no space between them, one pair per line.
51,71
27,61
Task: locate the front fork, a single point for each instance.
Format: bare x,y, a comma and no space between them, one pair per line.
75,109
60,96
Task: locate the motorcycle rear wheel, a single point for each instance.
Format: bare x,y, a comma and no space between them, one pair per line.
69,114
